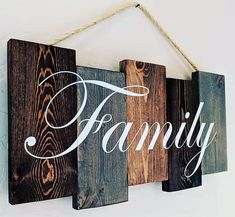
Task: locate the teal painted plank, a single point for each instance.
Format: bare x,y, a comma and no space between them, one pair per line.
102,177
211,88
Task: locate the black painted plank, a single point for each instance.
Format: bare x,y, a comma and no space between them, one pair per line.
180,100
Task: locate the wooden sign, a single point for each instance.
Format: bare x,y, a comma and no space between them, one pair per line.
146,165
91,132
211,89
180,101
102,177
32,179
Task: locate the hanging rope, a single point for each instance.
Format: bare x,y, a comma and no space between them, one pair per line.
116,11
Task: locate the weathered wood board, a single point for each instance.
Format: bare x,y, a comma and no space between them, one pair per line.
102,177
211,88
180,100
32,179
146,165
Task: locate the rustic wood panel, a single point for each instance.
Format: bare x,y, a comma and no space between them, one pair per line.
146,165
102,177
32,179
180,100
211,88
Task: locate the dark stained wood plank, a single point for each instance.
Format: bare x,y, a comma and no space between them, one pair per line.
211,88
32,179
102,177
180,100
146,165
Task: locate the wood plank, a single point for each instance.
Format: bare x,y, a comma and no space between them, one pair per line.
211,88
146,165
32,179
102,177
180,100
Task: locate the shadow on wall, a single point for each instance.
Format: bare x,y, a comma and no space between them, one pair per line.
3,131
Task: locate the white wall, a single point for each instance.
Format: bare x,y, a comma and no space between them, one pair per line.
205,31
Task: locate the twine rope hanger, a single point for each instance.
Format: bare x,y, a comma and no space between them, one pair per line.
117,10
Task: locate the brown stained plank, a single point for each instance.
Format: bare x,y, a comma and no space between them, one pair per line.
146,165
181,98
211,89
32,179
102,177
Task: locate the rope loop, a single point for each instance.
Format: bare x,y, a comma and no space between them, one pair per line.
117,10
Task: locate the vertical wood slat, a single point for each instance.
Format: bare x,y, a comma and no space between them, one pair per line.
102,177
211,88
146,165
32,179
181,98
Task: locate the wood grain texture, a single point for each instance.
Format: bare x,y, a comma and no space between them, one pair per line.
146,165
180,100
32,179
102,177
211,88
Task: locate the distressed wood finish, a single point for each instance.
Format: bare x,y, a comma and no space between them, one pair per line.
211,88
32,179
102,177
180,100
146,165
